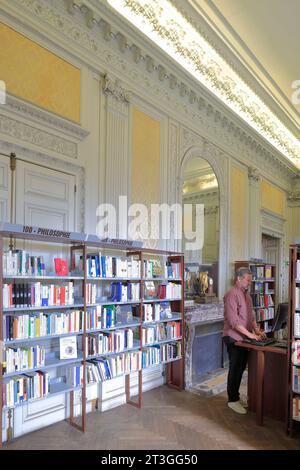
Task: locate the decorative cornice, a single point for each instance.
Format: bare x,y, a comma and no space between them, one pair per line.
112,87
164,25
25,133
40,116
206,194
253,174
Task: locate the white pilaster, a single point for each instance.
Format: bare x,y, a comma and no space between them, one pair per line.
254,214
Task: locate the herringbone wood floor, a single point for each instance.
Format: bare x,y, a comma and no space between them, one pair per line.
167,420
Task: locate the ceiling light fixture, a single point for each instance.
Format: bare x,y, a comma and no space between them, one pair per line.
168,28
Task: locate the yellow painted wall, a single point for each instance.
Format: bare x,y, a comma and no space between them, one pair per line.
145,176
238,238
38,76
272,199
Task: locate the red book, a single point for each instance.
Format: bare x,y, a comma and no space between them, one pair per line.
61,267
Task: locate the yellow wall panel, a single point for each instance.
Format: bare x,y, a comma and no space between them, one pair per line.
272,198
39,76
238,239
145,181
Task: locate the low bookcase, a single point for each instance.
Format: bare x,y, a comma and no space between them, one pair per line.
77,311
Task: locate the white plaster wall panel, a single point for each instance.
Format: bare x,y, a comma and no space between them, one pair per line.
40,413
44,195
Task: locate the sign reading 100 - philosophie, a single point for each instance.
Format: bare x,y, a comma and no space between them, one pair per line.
48,232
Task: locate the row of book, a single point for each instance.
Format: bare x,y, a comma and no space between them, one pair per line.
169,270
41,324
258,272
297,324
298,269
74,376
37,324
101,369
98,265
296,408
125,291
18,359
263,314
262,272
20,263
296,352
262,300
115,341
296,379
154,355
269,289
168,290
35,294
297,297
22,388
156,311
161,332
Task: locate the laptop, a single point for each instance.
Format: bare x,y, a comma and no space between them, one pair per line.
263,342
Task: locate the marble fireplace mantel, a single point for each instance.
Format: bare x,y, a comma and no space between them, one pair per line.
195,316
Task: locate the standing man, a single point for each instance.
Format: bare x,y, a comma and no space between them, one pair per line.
239,323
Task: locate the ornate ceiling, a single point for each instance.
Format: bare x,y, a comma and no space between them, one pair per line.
177,34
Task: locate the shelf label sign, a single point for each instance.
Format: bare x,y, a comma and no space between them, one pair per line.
31,230
48,232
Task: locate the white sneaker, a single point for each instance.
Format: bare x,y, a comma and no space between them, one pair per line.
237,407
244,403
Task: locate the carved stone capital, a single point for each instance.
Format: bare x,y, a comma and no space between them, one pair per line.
113,88
294,197
253,174
211,210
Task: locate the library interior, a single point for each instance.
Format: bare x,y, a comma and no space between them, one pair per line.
149,225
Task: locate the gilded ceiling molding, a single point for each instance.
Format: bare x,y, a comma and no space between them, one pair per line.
168,28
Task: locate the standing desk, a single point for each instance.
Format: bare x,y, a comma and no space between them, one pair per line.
267,381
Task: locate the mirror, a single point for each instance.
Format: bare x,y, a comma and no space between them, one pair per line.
200,186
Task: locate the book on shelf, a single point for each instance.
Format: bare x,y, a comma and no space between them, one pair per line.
61,267
68,347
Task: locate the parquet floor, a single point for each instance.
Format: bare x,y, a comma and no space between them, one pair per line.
168,420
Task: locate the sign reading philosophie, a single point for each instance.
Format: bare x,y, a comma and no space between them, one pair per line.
17,229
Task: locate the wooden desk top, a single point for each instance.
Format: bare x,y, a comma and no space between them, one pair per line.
268,348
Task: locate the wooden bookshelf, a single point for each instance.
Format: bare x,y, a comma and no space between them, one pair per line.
106,313
294,339
263,291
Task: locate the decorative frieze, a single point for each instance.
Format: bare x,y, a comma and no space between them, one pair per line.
29,134
42,117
